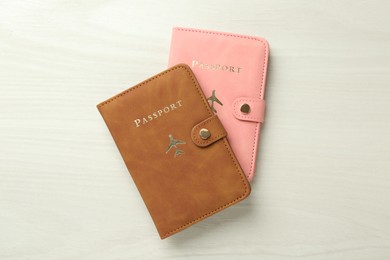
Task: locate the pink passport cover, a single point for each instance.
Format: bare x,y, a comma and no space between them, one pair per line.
231,70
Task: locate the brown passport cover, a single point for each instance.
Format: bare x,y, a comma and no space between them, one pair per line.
181,177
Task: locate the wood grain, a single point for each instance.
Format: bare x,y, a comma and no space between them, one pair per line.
322,189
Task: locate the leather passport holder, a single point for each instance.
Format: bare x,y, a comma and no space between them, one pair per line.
175,149
231,70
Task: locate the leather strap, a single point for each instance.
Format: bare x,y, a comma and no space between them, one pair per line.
214,127
256,111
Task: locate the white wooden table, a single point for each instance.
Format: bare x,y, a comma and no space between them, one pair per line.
322,189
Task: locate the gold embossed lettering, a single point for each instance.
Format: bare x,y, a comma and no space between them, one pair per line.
158,113
208,66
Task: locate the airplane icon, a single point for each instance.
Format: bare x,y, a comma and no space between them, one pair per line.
178,152
213,99
173,143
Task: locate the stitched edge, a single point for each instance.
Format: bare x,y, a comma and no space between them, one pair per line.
185,67
136,87
208,142
251,171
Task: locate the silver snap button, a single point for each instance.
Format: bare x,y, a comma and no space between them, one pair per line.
245,108
204,133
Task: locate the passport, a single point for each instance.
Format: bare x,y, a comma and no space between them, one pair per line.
176,149
231,70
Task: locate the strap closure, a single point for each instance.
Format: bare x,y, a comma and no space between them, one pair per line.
249,109
208,132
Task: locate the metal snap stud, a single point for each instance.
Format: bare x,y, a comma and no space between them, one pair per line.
204,133
245,108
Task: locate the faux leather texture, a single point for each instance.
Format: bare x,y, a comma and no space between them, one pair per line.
230,66
180,182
